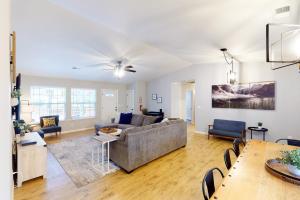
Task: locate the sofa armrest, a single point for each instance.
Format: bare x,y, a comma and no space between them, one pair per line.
210,126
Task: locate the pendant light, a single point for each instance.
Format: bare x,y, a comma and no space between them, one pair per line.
231,75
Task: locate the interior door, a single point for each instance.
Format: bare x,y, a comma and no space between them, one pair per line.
109,104
130,100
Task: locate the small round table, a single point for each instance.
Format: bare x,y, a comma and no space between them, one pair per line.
256,129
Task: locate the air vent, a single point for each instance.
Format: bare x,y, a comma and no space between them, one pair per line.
282,10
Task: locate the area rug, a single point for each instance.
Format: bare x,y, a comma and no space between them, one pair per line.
75,157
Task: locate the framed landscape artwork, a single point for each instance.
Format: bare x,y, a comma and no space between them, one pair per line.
260,96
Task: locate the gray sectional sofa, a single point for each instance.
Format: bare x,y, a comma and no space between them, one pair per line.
137,120
140,145
143,140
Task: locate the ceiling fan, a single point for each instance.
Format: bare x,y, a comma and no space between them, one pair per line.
117,66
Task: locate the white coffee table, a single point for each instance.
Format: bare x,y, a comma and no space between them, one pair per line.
103,139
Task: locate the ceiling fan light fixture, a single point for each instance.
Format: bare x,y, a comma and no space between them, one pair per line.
119,72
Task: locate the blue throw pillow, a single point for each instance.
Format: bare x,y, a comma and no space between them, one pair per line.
125,118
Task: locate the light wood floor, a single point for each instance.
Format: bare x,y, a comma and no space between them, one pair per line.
177,175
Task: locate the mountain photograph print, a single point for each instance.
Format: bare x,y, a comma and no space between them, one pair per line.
260,96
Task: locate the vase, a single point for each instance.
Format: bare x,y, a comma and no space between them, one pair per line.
293,170
14,102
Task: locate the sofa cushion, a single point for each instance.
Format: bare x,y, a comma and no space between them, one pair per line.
224,133
125,126
173,121
137,120
149,120
49,121
125,118
229,125
158,125
133,129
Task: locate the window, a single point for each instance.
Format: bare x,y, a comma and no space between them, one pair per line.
83,103
47,101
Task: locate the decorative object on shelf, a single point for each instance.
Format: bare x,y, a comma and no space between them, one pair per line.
159,100
258,95
259,124
154,96
15,95
21,127
231,75
291,159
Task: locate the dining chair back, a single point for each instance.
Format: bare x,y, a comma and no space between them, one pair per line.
209,182
290,142
236,146
227,158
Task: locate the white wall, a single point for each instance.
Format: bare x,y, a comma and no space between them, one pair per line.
5,120
140,94
205,76
68,124
282,122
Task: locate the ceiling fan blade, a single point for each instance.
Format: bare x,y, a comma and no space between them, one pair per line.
130,70
95,65
129,67
99,65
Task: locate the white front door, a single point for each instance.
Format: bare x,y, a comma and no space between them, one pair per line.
130,100
109,104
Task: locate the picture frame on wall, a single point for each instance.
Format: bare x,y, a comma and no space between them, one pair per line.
154,96
159,100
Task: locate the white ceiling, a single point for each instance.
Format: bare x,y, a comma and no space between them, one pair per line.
157,37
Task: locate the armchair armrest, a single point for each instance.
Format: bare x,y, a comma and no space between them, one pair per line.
210,126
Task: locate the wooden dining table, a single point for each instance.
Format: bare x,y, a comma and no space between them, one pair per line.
249,180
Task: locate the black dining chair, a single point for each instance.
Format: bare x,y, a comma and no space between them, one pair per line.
209,182
236,146
227,158
290,142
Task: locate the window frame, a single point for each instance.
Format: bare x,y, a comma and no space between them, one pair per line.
82,103
32,103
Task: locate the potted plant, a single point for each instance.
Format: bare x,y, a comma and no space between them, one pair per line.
292,161
259,124
21,127
15,94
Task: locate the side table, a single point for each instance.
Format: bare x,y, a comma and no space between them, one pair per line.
256,129
102,139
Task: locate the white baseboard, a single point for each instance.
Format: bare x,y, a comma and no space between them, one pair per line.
200,132
77,130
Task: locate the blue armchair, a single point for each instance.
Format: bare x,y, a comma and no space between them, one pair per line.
228,129
51,129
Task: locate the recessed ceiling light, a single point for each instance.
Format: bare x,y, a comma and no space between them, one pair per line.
75,68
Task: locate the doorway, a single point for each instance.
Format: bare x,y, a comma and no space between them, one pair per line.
183,100
109,104
130,101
